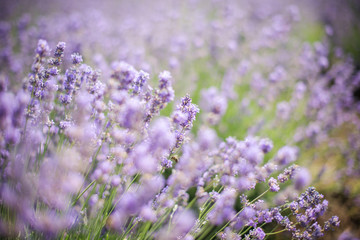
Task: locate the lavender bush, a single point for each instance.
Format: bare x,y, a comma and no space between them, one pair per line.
94,147
84,158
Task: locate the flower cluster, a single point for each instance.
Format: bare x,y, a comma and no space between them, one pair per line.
93,147
105,159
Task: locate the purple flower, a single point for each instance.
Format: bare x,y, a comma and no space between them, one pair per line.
310,198
148,214
277,215
132,114
161,97
223,210
207,138
115,181
257,234
244,217
294,206
164,80
58,54
254,155
179,117
274,186
183,222
184,116
316,230
213,101
12,136
60,48
124,74
302,178
166,163
244,184
53,71
334,221
161,137
214,104
144,161
166,92
264,216
286,155
266,145
140,80
76,58
42,48
130,203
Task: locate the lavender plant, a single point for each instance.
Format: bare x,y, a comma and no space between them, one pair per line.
96,152
83,158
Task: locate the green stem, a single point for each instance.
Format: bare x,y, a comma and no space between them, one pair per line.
132,226
206,211
246,230
255,199
205,233
191,203
144,230
273,233
207,203
82,193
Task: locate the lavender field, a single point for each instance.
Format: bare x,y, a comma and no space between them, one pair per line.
192,119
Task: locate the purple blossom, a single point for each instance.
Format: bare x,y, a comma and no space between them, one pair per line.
124,74
165,92
334,221
78,144
165,80
223,210
148,214
274,186
140,80
266,145
302,178
257,234
214,103
60,48
143,160
244,217
131,115
166,163
286,155
183,117
162,139
76,58
254,155
130,203
43,48
207,138
53,71
184,221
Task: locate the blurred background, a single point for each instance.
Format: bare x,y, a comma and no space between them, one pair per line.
238,47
